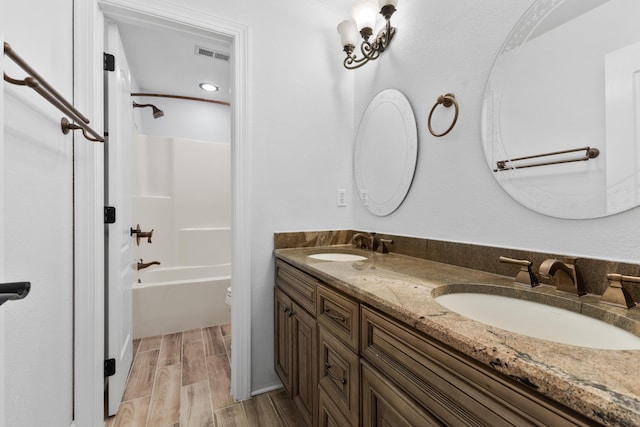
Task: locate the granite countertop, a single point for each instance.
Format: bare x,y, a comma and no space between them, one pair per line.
601,384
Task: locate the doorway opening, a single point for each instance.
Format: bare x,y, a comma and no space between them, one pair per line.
213,28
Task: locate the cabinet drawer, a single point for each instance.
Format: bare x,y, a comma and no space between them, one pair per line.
457,390
298,285
339,375
328,414
339,315
383,404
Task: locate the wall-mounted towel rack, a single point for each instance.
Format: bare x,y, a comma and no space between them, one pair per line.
36,82
447,100
504,165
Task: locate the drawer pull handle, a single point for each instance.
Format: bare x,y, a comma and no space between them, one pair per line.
334,316
332,376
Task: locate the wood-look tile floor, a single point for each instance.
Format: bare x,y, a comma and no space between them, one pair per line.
183,380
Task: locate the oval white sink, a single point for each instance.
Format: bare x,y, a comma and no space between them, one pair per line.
336,256
539,321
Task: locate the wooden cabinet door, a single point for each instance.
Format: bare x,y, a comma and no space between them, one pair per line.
328,413
385,405
305,361
339,375
283,338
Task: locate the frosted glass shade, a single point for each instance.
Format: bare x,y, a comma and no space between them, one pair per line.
364,13
383,3
348,32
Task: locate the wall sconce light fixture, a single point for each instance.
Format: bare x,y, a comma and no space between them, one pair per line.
364,19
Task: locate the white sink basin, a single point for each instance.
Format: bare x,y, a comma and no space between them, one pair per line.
539,321
336,256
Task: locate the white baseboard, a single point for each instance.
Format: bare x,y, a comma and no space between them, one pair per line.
266,389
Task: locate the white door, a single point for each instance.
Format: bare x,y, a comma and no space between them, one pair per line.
119,250
36,165
2,339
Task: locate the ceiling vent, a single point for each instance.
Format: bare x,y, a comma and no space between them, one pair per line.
221,56
209,53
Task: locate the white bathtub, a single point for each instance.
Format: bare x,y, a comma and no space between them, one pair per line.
180,298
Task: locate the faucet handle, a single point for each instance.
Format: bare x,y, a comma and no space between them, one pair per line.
616,294
384,245
525,276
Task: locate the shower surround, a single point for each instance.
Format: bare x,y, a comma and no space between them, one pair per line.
182,191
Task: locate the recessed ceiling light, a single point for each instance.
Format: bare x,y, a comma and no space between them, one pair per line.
209,87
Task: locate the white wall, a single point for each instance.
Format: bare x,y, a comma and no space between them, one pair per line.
445,47
301,140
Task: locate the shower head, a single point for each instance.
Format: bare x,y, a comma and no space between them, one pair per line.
156,111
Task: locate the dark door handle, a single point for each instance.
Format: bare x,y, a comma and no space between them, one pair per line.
13,291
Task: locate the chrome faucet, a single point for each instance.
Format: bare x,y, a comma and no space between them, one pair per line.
365,241
562,274
141,265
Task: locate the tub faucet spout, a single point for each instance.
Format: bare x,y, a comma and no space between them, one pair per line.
141,265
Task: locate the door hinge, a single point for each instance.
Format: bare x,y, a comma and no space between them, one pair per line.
109,215
109,62
109,367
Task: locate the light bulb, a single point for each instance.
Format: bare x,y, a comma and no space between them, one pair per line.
209,87
364,13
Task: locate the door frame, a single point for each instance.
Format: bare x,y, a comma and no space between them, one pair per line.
88,228
2,322
174,16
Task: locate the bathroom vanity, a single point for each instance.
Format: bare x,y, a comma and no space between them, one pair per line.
365,343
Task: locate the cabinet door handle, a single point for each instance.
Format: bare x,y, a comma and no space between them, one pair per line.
334,316
332,376
288,311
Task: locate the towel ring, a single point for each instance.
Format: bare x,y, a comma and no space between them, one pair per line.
447,100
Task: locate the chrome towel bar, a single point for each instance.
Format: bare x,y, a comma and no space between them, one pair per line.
36,82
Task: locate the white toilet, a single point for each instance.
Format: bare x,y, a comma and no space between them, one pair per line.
227,299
